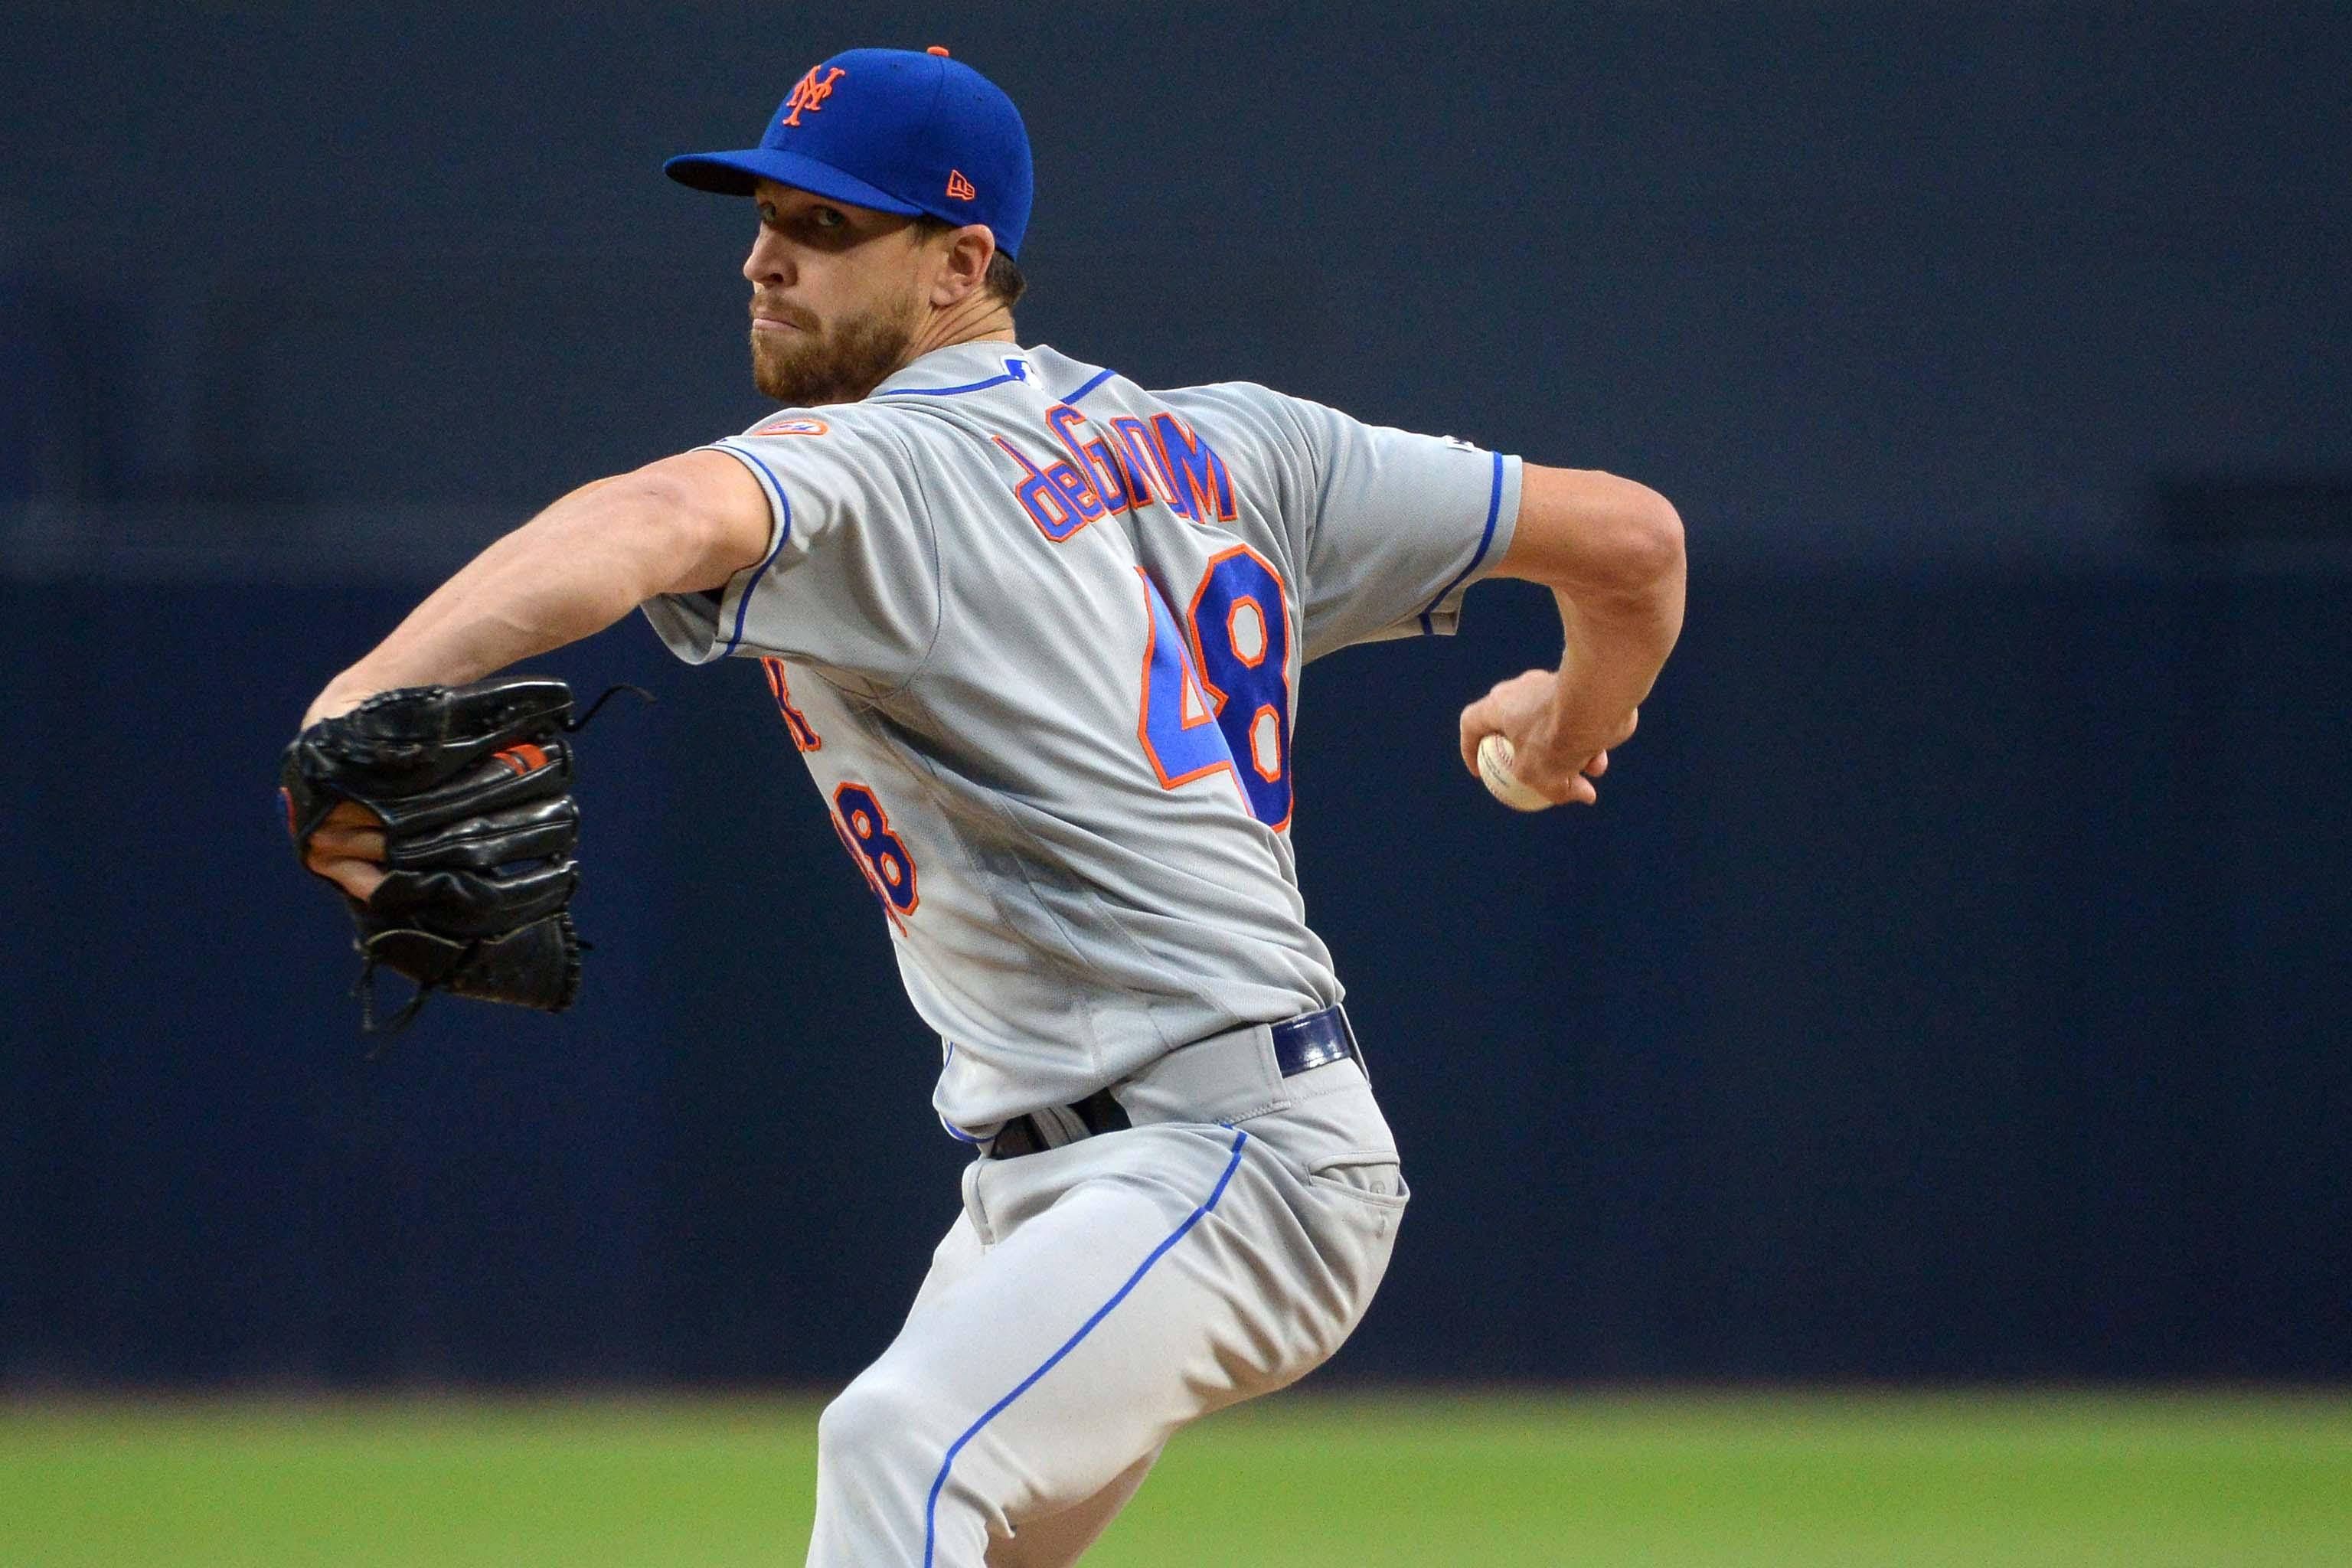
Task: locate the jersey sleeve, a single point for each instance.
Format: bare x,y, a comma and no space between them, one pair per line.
850,582
1397,526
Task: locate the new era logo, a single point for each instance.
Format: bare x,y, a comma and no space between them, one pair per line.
959,187
809,93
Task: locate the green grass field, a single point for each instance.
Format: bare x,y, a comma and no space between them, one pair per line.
1298,1482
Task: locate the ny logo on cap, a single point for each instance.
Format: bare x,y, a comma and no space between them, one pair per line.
810,94
959,187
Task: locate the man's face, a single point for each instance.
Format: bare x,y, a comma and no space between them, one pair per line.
837,294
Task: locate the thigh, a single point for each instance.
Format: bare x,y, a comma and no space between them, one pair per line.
1093,1300
1108,1293
955,1257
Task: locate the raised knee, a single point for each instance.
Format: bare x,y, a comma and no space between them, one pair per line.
874,1417
879,1461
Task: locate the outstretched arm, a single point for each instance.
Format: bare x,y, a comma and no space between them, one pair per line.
685,523
1611,552
681,525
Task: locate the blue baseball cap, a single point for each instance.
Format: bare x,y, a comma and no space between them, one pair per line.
892,130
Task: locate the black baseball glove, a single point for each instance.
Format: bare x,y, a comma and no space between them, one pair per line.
473,786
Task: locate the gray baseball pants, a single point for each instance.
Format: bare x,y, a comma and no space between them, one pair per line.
1092,1299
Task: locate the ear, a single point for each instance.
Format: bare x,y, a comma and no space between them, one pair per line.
962,268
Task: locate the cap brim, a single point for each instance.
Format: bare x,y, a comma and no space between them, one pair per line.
734,175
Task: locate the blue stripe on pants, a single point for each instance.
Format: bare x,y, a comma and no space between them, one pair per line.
931,1505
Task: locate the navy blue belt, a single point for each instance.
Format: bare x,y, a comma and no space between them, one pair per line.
1301,1045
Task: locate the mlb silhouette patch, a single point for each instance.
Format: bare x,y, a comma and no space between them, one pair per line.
959,187
795,426
809,93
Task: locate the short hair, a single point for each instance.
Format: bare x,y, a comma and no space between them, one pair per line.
1003,279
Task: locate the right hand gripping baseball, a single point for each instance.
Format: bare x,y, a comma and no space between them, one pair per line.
1554,752
470,786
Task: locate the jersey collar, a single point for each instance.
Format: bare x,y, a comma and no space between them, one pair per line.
958,368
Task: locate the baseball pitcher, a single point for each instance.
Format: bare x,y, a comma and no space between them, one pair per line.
1038,633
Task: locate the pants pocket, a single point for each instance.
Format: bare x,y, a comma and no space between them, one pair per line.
1374,1179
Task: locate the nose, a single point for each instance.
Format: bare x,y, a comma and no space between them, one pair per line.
770,262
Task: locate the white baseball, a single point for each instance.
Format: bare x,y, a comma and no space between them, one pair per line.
1495,772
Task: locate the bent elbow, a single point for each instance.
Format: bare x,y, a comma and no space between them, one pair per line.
1643,553
1656,554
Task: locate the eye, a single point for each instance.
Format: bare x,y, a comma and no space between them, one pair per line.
828,217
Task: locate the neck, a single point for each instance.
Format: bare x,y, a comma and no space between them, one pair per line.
977,318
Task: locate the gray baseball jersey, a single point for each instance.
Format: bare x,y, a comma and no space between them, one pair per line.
1038,632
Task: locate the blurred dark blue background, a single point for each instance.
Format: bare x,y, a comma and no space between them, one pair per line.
1953,984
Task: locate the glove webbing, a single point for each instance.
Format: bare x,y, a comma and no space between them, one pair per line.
363,988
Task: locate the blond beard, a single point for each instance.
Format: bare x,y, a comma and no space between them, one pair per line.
839,366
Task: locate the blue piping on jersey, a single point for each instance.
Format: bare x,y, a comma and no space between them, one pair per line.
1014,370
783,534
932,1508
1100,376
1493,505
